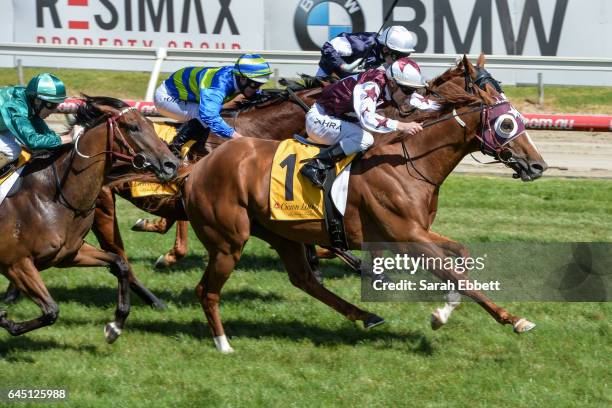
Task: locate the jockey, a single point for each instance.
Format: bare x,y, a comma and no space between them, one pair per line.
344,54
22,111
195,96
345,113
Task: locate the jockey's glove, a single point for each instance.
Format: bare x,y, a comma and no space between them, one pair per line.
353,67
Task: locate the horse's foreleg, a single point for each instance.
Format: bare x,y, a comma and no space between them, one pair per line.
500,314
180,247
106,230
89,255
441,315
208,291
27,279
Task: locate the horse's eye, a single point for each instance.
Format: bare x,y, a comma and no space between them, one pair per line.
507,126
132,127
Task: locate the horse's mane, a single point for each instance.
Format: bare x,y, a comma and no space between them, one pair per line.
88,115
273,96
447,94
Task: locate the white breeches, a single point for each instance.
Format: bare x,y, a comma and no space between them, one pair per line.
9,145
329,130
174,108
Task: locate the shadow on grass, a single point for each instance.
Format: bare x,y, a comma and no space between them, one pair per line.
107,297
330,269
26,344
294,331
291,330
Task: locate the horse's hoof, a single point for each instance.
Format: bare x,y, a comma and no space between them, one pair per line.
2,315
372,321
523,325
222,344
162,262
318,276
383,278
438,319
111,332
158,305
139,225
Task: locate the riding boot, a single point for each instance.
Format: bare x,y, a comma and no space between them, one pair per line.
315,169
188,131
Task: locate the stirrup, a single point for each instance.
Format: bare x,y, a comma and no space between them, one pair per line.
314,172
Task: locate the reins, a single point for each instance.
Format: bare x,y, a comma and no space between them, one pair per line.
113,133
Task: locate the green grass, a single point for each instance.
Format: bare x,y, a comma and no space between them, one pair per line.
132,85
292,350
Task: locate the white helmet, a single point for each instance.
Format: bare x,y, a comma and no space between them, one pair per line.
405,71
397,38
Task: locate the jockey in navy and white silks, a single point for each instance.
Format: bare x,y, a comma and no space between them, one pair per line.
196,95
351,53
345,113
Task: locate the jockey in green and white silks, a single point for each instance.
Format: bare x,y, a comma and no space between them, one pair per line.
22,111
196,95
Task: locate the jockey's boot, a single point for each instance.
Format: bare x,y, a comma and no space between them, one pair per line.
315,168
188,131
6,164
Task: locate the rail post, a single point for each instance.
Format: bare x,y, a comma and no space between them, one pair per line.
160,56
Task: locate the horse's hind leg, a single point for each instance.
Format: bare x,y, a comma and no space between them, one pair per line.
294,258
179,250
89,255
27,279
106,229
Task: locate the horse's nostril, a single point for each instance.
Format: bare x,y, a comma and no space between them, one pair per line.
170,165
537,168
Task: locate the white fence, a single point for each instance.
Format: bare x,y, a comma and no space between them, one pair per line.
598,71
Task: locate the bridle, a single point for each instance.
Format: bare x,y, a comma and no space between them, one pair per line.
489,144
138,160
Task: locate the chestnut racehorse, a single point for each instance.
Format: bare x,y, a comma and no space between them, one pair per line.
389,199
44,224
278,118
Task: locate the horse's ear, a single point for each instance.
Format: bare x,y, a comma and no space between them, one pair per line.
467,65
106,109
481,60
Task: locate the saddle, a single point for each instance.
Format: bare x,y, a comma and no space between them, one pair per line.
9,183
295,198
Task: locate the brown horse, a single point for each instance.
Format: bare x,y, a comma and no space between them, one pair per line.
277,118
389,199
45,223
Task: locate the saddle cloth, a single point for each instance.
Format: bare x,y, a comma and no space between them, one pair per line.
9,179
145,189
292,196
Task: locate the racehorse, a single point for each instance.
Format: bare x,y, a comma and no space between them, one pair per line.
277,117
389,198
44,224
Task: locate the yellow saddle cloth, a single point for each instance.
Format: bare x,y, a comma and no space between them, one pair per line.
24,158
146,189
292,196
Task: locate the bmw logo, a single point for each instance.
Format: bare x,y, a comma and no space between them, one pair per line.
318,21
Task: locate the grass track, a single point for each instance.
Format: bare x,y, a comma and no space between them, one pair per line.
294,351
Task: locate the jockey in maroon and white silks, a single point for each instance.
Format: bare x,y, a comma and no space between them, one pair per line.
345,114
